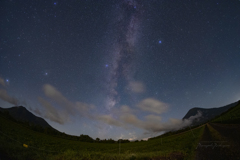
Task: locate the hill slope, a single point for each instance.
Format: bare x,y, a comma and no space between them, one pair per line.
20,113
43,146
231,116
207,113
194,142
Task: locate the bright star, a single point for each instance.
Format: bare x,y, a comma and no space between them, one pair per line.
55,3
7,80
159,42
46,74
106,65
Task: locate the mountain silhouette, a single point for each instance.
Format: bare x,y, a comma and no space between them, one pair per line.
21,114
207,113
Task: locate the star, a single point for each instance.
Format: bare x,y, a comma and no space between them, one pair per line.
135,52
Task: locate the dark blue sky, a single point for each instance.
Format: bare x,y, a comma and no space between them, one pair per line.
114,69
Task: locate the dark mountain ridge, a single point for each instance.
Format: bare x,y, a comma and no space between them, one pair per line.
21,114
207,113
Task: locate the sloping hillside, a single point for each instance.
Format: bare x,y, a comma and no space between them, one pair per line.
20,113
207,113
231,116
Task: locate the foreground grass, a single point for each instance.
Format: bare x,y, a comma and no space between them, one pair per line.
42,146
232,116
181,146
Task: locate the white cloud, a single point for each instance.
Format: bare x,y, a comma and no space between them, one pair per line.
153,118
57,96
151,123
130,119
51,113
153,105
125,109
126,116
109,120
136,87
4,96
66,107
199,114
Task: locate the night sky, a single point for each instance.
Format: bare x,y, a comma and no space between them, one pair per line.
119,68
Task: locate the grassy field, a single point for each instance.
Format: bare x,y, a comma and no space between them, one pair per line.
232,116
43,146
219,141
20,142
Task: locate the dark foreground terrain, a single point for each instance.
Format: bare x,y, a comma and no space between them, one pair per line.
217,139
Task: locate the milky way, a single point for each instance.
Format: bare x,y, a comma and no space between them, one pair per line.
126,32
103,57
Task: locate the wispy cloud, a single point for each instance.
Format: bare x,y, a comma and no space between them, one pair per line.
108,119
65,107
2,82
153,118
59,109
136,87
151,123
51,113
8,98
199,114
153,105
4,96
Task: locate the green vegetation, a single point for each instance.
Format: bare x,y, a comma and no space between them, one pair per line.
215,134
56,133
44,146
24,141
232,116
